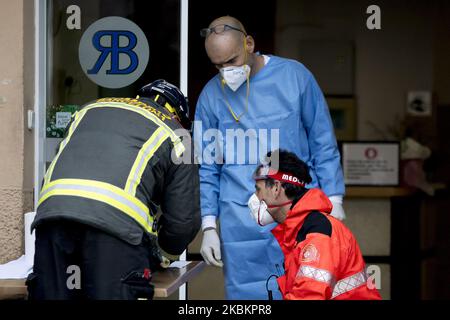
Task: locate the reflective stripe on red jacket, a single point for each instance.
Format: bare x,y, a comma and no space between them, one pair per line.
322,257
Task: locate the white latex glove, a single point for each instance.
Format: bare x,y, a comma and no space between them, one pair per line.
210,249
338,210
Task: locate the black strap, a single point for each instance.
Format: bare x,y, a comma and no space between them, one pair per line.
269,292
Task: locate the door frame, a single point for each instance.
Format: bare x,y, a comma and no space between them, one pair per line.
40,94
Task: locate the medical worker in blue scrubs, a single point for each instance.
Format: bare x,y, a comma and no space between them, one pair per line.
252,92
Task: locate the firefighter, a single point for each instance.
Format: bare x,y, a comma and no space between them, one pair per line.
322,258
97,233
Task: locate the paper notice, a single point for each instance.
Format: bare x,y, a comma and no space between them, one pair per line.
179,264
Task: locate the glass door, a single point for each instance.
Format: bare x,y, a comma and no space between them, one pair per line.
104,48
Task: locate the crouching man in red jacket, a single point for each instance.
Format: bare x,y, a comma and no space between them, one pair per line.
322,257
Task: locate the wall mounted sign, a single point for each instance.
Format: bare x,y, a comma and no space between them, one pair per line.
113,52
371,163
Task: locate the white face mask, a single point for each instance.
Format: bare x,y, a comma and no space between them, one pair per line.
258,210
235,76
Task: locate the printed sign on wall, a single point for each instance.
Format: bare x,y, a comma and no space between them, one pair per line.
371,163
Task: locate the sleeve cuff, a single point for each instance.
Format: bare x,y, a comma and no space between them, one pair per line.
209,221
337,198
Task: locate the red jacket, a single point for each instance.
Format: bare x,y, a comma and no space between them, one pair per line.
322,257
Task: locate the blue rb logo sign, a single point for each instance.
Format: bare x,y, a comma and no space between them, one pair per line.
113,52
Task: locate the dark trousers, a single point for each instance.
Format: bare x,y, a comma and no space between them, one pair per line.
75,261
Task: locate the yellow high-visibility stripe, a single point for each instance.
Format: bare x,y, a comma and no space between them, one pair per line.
104,199
142,159
98,184
118,199
78,117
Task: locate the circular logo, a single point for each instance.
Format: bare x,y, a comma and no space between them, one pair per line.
371,153
113,52
310,253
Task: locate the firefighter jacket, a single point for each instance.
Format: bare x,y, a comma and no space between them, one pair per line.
115,166
322,258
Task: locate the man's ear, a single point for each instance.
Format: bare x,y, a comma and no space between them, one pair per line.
250,44
278,189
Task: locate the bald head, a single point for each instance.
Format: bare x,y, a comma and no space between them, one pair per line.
231,21
228,47
230,37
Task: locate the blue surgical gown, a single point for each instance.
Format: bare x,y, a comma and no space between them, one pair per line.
287,102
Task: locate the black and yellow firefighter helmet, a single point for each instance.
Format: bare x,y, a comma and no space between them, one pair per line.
170,97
